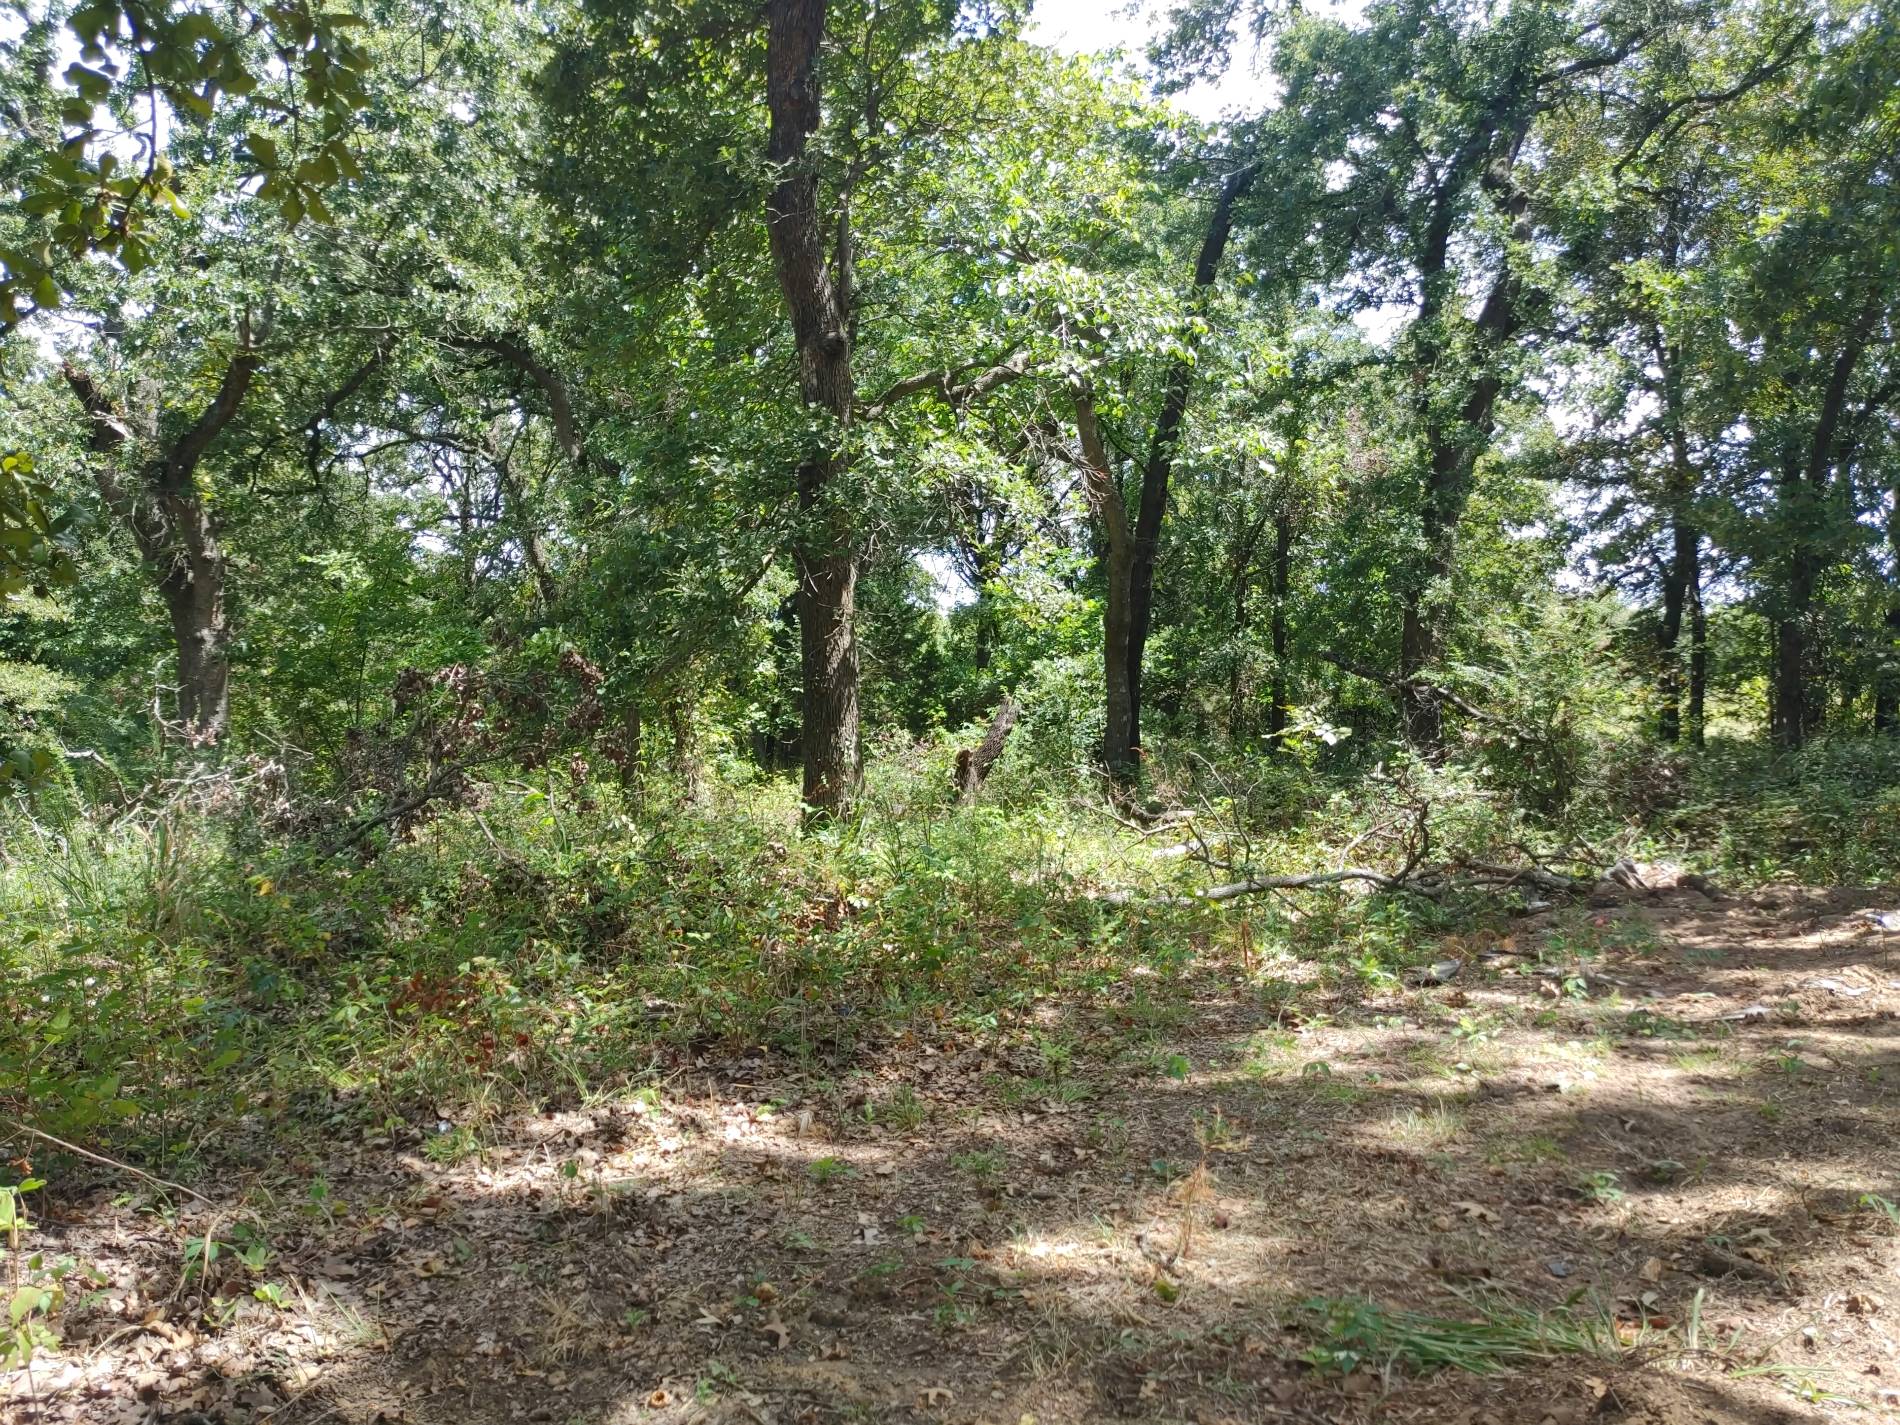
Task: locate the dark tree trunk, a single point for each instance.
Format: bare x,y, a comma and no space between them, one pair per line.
1682,592
1887,641
1241,573
827,547
1698,663
828,658
193,590
1791,712
1119,750
1282,581
1682,576
1887,676
1153,506
1454,436
176,535
1798,697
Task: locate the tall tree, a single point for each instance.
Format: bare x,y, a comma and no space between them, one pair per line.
818,294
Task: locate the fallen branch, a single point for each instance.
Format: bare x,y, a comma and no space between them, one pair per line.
1486,874
1255,884
1417,684
441,783
15,1123
1428,882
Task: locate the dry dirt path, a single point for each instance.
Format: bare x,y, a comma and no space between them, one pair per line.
1678,1115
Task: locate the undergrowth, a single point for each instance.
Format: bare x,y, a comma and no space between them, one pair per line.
172,971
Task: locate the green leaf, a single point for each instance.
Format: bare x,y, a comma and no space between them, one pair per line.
26,1300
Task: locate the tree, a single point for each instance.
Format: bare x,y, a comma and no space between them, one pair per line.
162,506
817,290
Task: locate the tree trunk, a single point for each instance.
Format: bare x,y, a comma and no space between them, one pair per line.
1282,578
1698,665
1682,578
684,763
828,657
1789,718
974,764
827,547
1454,438
1887,664
176,536
1681,592
1119,749
1153,506
1796,703
193,590
1887,678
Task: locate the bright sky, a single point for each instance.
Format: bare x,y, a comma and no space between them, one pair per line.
1082,25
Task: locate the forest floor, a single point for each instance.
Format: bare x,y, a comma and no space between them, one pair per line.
1653,1143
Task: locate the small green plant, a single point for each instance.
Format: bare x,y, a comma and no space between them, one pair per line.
718,1377
1058,1053
1215,1133
827,1170
452,1146
1537,1148
980,1163
38,1288
1604,1187
1874,1202
900,1109
1269,1054
955,1309
1647,1024
318,1202
1352,1333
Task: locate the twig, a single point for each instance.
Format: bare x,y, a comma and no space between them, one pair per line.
108,1162
1298,883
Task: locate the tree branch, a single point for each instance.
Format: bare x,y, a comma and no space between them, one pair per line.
944,385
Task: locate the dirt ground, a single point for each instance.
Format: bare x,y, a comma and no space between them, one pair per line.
1674,1113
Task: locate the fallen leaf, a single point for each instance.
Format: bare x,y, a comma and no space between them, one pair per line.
780,1333
1652,1270
935,1395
